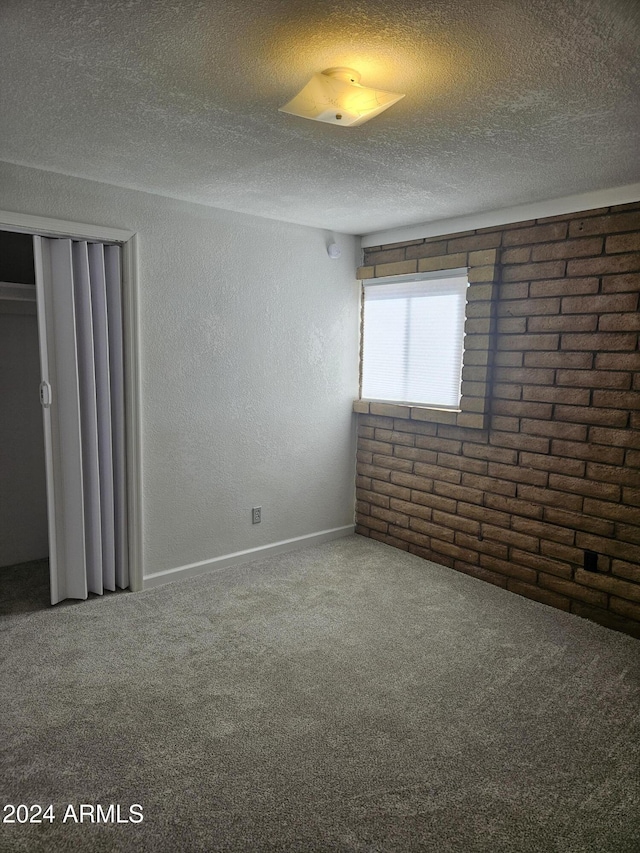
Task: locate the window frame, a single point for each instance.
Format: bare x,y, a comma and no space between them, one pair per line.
479,342
381,281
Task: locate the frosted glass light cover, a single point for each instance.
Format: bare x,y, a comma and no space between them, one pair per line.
335,97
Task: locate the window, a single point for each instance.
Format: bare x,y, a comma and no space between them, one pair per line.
413,333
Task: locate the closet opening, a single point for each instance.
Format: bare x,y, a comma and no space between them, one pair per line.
24,546
69,422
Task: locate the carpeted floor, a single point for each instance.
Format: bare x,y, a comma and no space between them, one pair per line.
348,697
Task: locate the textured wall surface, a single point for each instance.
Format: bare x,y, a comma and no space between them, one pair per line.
249,367
23,498
557,471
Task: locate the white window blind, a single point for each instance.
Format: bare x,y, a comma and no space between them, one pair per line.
413,335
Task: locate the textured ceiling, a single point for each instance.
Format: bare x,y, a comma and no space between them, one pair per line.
507,102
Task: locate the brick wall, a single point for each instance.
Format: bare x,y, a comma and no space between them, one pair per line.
556,471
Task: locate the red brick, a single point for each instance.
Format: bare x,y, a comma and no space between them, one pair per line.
578,486
390,489
618,361
601,304
536,234
515,506
474,242
590,415
505,567
582,450
519,290
375,421
373,471
498,422
544,462
552,497
518,473
395,437
426,250
430,529
563,323
477,436
528,307
542,393
522,409
565,553
518,255
362,508
629,322
578,521
489,484
462,493
412,509
604,224
390,516
631,496
390,540
617,399
410,536
625,608
457,523
609,547
462,463
605,264
372,497
375,446
629,571
612,473
361,530
392,463
616,512
539,563
490,452
371,523
480,573
536,342
594,379
416,454
410,481
573,590
617,437
482,513
610,584
578,360
621,283
436,472
439,444
484,546
564,286
505,391
547,269
542,595
508,359
554,429
580,248
454,551
435,501
602,341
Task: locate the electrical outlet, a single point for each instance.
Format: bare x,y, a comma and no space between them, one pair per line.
256,515
590,561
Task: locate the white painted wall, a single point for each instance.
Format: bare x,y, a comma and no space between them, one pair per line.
23,499
249,365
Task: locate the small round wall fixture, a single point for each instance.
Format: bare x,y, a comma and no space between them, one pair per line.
333,250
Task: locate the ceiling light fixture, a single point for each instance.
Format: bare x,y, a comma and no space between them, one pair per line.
336,96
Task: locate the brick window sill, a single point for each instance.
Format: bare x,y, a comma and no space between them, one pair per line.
455,417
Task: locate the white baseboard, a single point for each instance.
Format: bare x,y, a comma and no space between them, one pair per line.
217,563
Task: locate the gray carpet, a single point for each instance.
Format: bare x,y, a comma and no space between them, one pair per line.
348,697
